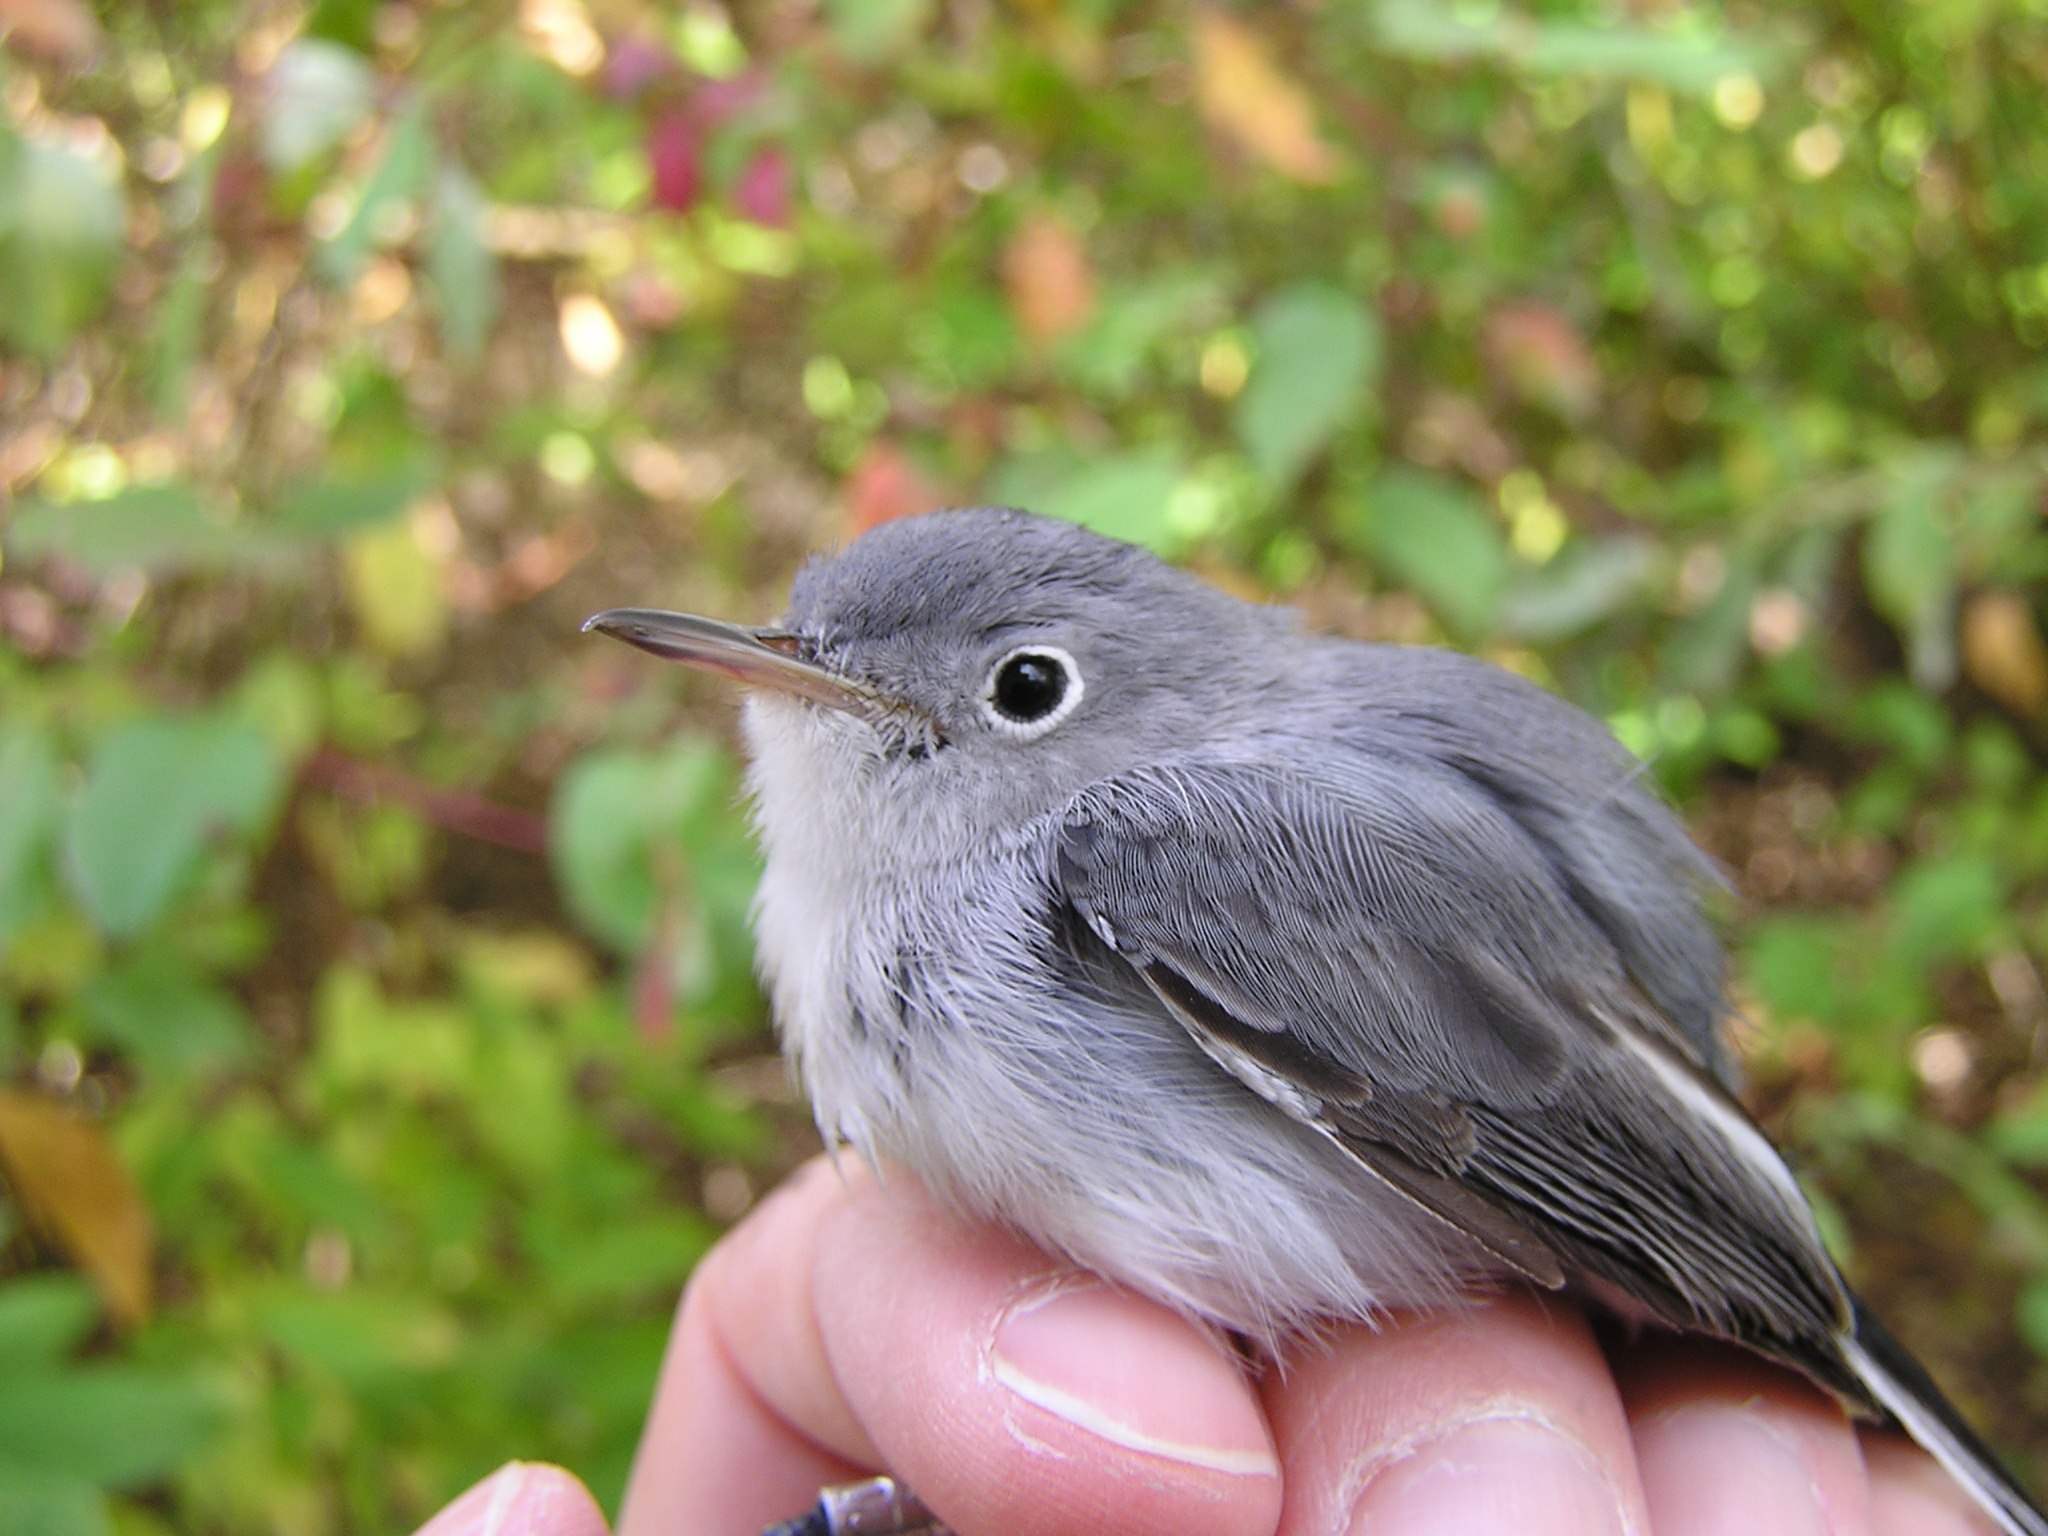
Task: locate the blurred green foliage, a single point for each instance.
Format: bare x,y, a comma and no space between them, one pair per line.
1685,356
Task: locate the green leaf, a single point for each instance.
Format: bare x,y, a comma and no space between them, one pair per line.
319,93
1107,357
621,1263
964,336
172,1021
367,1339
2019,1131
34,1502
403,171
351,23
30,811
1690,58
157,527
2031,1315
461,263
1706,651
1317,354
619,827
1121,496
42,1318
1947,908
155,791
180,327
63,229
1437,538
110,1426
871,30
1789,962
1909,565
1589,581
333,506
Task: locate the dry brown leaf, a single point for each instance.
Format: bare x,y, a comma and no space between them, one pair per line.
2003,651
72,1184
1047,276
1249,100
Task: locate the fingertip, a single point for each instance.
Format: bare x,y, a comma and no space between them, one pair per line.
1729,1443
521,1499
1132,1373
755,1295
1911,1495
1494,1415
747,1421
1020,1395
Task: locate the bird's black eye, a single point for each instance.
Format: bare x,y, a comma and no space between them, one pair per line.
1032,689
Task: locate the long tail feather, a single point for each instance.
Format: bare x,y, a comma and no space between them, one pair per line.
1906,1392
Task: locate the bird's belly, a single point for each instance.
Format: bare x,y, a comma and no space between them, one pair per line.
930,1031
1106,1136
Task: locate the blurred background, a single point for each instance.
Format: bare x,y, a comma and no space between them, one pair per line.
378,1048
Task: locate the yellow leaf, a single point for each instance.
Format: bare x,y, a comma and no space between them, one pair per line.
534,965
1247,99
394,588
2003,652
71,1183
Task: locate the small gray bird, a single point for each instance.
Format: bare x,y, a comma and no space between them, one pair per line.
1284,979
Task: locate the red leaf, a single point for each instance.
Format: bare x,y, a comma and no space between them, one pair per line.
674,156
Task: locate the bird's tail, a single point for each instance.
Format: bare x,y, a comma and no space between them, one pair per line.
1906,1392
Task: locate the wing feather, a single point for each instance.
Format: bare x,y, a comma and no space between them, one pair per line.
1381,948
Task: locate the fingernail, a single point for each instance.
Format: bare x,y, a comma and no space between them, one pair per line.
1128,1372
483,1510
1498,1474
1723,1471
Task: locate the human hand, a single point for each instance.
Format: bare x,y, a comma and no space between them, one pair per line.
847,1328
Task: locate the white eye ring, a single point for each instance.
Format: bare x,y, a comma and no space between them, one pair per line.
1027,727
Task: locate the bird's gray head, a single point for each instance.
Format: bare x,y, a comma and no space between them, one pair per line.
986,661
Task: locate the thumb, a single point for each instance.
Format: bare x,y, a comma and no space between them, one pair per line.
521,1499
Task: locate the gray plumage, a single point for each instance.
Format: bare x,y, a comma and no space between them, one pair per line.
1285,979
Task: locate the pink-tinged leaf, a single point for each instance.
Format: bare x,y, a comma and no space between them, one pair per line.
762,194
675,161
239,185
1544,358
717,102
886,484
654,985
1254,103
63,31
1048,278
633,65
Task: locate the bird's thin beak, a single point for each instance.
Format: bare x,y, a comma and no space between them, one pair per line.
758,658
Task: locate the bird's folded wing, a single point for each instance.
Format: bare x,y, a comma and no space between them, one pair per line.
1382,949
